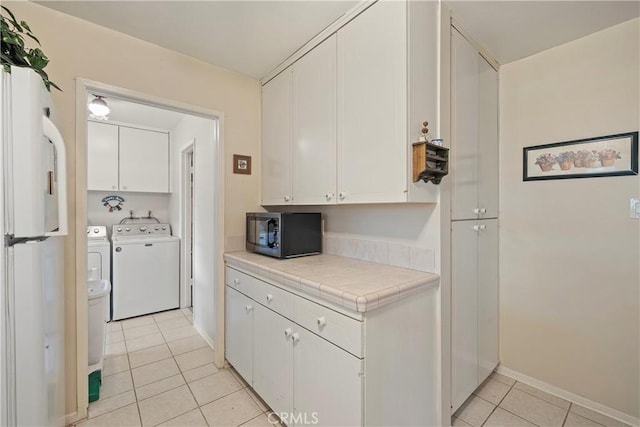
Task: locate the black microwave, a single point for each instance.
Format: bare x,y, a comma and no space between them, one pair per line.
284,235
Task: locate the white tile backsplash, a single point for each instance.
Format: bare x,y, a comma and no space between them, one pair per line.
382,252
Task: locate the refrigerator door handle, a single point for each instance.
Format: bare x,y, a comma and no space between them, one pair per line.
51,132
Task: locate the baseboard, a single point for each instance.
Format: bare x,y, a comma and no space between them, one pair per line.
204,336
71,418
571,397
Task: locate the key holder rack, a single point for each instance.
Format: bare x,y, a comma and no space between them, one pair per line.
430,162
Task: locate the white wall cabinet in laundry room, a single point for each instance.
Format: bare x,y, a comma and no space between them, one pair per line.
102,156
474,133
474,315
124,158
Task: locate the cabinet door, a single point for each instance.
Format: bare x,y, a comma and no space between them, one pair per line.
372,106
464,130
327,383
487,139
314,126
464,311
487,298
273,359
276,140
239,332
144,160
102,156
474,154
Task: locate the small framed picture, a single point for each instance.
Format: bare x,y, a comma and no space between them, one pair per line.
611,155
242,164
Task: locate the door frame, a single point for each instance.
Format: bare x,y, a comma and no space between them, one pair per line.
83,88
186,214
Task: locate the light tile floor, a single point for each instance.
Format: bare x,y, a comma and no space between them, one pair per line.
159,371
503,401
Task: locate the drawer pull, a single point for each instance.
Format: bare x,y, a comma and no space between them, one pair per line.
287,332
236,281
321,321
295,337
269,297
248,308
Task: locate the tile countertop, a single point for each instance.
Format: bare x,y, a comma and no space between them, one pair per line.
350,283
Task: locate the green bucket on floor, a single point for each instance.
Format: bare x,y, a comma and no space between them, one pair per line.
95,380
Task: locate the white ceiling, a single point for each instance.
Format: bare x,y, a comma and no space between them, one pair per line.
124,111
253,37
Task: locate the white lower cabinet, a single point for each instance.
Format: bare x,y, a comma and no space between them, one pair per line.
307,360
239,343
474,316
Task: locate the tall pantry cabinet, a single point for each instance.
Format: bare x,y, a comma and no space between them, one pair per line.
474,215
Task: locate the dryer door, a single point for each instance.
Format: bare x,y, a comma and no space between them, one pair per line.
94,266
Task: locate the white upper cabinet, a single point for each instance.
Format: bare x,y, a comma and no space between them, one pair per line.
314,126
127,159
102,156
474,154
144,160
356,104
276,140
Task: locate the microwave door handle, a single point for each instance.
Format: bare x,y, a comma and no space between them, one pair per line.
51,132
270,226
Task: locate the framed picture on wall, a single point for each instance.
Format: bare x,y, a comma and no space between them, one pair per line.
242,164
611,155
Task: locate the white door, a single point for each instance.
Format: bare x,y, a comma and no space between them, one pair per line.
276,140
487,139
239,332
464,311
144,160
102,156
327,383
314,126
487,298
464,132
273,359
372,106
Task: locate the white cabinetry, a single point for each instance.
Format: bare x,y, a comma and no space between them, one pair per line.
475,305
359,100
144,160
239,325
308,359
314,126
102,156
474,151
276,140
127,159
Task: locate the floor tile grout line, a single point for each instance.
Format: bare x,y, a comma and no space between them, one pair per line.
495,406
544,400
567,414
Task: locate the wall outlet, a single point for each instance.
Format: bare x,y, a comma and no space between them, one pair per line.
634,208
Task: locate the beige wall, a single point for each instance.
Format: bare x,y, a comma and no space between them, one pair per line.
77,48
570,254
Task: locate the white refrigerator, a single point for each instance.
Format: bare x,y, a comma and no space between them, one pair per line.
33,219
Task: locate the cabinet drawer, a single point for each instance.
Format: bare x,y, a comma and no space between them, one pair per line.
337,328
241,282
274,298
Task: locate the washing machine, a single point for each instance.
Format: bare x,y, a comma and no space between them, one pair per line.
98,253
146,266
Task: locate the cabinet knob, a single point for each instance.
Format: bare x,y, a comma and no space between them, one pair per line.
113,187
248,308
483,227
342,195
483,211
236,281
287,198
295,337
269,297
476,211
321,321
287,332
329,196
476,228
124,187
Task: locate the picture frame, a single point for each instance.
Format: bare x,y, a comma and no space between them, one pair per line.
242,164
610,155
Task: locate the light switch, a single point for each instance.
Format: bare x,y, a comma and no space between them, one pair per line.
634,208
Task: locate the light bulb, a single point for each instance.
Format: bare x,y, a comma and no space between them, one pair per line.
99,107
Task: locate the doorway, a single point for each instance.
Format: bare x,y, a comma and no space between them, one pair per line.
207,240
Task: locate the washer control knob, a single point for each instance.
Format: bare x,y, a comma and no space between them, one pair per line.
157,228
127,229
164,227
119,229
143,228
96,230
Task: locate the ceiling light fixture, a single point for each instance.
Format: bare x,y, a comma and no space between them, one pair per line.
99,108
